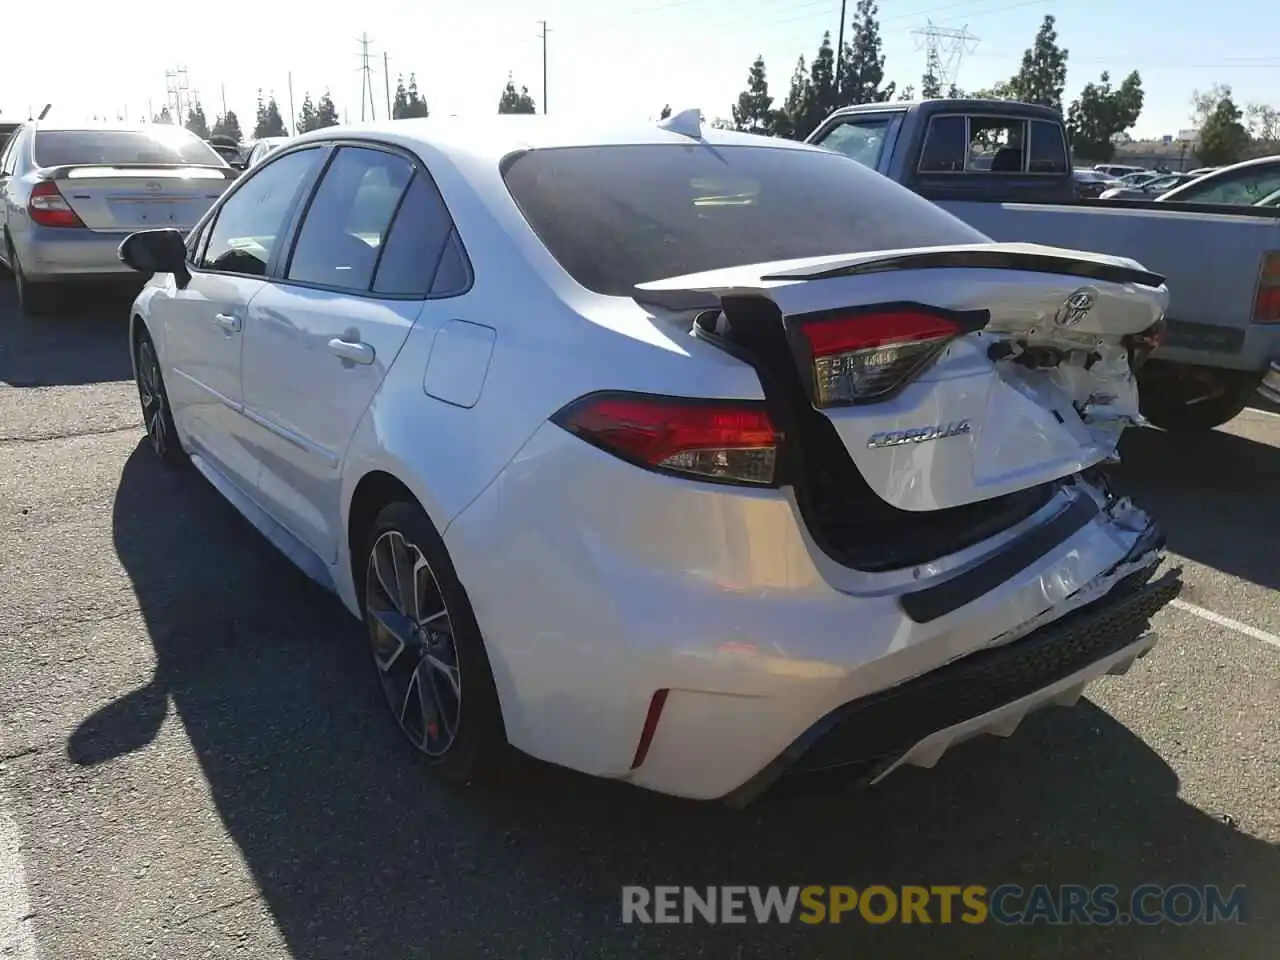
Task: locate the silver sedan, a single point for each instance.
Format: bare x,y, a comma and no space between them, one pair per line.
70,194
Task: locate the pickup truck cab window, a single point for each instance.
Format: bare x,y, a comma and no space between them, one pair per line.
865,138
956,143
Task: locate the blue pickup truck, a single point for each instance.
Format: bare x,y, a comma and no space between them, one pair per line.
1005,168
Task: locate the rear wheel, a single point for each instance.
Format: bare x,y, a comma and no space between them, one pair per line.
34,299
1196,400
427,649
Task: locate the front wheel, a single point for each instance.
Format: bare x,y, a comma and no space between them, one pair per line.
157,415
427,649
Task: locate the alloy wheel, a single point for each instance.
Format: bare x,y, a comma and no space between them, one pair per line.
151,395
412,637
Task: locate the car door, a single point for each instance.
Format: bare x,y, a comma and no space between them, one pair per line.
203,324
367,254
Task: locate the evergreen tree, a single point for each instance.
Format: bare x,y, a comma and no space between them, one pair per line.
400,103
931,82
820,93
666,112
1043,73
326,112
307,115
753,112
268,123
228,125
513,102
862,65
163,116
908,93
790,119
955,93
196,121
1100,114
415,105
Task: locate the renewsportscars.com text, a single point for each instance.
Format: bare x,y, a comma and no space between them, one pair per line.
1008,904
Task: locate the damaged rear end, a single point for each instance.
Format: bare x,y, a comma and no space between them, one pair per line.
953,401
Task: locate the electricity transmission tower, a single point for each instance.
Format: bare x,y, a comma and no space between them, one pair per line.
944,48
177,93
366,79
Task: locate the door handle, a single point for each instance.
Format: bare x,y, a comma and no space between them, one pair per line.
355,352
227,321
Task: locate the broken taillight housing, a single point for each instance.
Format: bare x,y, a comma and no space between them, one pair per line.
868,356
1142,345
727,441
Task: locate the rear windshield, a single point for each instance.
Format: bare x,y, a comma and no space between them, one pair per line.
56,148
616,216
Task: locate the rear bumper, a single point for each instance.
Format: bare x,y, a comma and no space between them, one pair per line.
1270,388
68,253
990,691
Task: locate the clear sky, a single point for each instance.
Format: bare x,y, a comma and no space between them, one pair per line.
630,57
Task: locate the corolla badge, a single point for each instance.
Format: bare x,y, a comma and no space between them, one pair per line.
936,431
1074,309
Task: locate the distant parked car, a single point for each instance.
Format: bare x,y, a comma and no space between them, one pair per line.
1090,184
1149,190
70,194
1117,170
228,149
261,149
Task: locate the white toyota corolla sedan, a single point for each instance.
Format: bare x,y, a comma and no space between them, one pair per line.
673,455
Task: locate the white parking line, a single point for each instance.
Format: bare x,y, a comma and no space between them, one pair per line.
1265,413
1241,628
17,939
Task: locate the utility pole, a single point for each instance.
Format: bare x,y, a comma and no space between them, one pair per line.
839,46
293,118
224,100
366,79
386,80
543,37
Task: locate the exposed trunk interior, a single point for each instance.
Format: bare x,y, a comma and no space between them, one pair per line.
845,516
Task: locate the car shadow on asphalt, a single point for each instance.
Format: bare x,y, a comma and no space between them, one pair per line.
1214,494
84,341
359,853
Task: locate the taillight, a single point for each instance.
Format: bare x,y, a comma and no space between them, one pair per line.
869,355
1142,345
1266,302
721,440
48,208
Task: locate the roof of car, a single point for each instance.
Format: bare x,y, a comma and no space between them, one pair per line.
85,125
499,136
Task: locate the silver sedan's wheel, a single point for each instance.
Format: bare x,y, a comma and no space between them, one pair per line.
412,636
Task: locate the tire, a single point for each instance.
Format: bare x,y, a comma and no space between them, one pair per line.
436,678
34,299
157,414
1176,406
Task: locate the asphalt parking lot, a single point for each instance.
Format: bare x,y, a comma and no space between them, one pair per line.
195,762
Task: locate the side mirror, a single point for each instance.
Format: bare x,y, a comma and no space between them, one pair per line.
157,251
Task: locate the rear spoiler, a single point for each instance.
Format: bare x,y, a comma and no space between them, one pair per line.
992,259
159,169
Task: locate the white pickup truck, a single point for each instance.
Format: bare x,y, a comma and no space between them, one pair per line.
1004,168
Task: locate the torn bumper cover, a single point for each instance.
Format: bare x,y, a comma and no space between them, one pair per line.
1102,629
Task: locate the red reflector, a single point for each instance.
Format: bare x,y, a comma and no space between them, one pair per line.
722,440
650,727
48,208
869,330
1266,307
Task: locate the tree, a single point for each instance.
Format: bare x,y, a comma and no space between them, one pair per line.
862,63
955,93
228,125
1223,138
931,82
307,115
1263,121
512,102
268,122
666,112
908,93
999,91
753,113
1100,114
163,116
400,103
787,120
416,103
326,112
196,121
1043,73
817,92
1204,102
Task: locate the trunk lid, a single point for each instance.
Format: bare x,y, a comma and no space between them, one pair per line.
1033,382
124,198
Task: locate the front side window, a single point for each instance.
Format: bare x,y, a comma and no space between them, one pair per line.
349,217
863,140
254,218
1246,186
617,216
160,143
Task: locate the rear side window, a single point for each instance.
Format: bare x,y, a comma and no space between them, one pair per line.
164,144
946,145
616,216
348,219
1048,148
416,243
